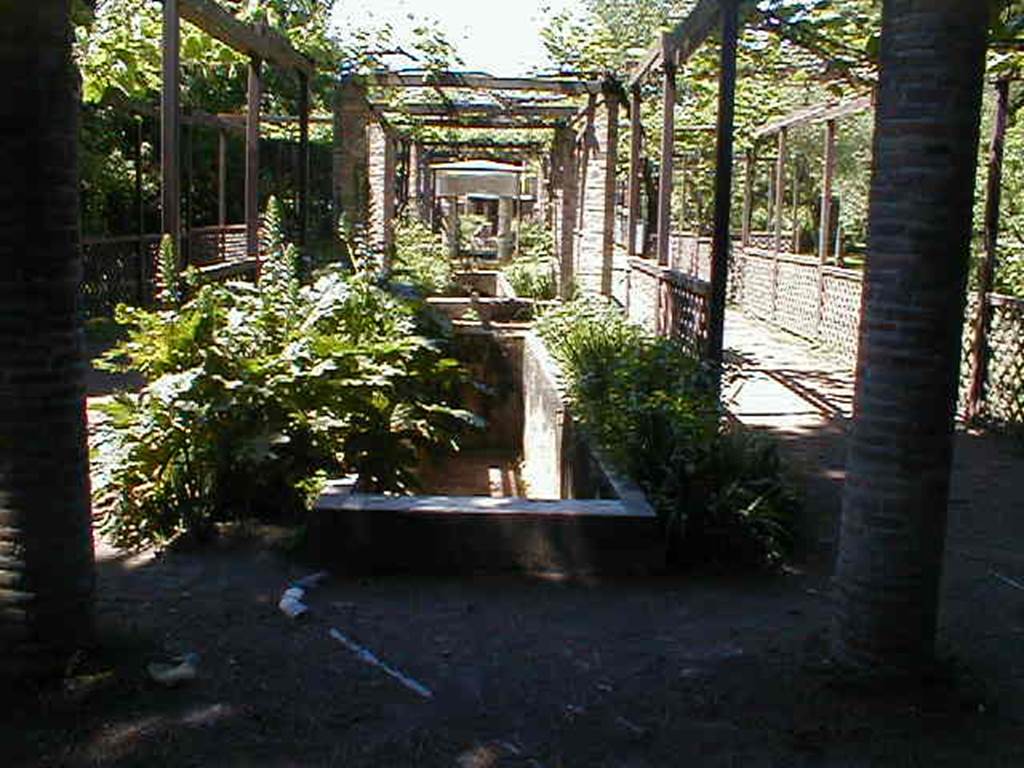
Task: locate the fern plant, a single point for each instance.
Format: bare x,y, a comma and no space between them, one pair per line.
254,392
168,275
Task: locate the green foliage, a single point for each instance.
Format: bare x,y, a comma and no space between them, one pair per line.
255,391
644,401
169,279
471,225
534,272
532,278
421,256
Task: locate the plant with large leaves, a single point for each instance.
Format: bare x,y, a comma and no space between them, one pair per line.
255,391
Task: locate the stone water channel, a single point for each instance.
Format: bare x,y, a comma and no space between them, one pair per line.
528,492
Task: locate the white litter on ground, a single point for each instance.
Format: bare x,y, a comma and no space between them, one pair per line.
367,656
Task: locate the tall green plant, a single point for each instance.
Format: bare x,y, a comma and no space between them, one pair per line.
645,402
169,276
421,256
255,391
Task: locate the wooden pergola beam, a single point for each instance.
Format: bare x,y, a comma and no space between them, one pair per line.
684,39
815,113
234,120
441,110
483,121
257,41
477,82
533,146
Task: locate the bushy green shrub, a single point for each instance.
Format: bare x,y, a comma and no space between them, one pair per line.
533,273
646,404
536,240
255,391
532,278
471,227
421,256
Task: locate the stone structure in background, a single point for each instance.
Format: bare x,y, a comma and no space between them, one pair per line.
596,153
351,189
381,167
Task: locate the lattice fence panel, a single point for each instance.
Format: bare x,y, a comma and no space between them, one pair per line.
1004,393
642,307
840,319
736,284
796,300
686,304
966,362
758,286
112,273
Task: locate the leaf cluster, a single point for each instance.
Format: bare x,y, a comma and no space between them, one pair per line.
645,402
254,392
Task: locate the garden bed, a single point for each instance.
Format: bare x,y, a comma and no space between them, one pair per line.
575,514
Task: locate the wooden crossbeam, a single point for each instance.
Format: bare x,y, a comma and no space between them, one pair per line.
684,39
495,121
477,82
235,119
254,40
441,110
814,114
484,144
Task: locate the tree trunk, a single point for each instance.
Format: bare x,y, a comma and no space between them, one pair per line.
46,558
897,474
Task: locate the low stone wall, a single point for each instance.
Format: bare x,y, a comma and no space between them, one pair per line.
558,460
484,309
490,283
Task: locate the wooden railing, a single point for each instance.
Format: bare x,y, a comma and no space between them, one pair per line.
669,303
123,269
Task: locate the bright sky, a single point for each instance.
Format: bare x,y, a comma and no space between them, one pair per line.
498,36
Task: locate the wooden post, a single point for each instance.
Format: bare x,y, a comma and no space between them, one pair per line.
140,218
723,187
667,146
186,191
780,188
635,148
303,191
684,190
828,173
987,268
795,201
170,118
252,161
748,196
222,177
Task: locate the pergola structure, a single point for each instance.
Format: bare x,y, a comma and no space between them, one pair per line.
380,158
673,49
829,114
261,45
479,177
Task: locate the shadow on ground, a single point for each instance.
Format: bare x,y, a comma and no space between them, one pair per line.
524,672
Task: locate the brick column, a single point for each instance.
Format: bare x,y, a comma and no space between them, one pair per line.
415,181
505,205
349,154
565,193
381,174
597,214
46,556
900,446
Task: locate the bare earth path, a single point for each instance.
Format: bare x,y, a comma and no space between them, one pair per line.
804,397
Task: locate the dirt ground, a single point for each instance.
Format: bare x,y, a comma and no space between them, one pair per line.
706,671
